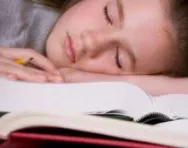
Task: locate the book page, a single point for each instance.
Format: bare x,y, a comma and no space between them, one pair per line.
173,104
179,126
92,124
74,98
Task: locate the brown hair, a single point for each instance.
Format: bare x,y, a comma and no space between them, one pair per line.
179,17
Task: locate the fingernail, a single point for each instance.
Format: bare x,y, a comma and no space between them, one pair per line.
57,73
12,77
42,78
56,78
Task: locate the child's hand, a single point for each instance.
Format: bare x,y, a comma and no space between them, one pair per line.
154,85
45,71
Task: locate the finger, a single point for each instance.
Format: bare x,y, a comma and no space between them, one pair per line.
21,73
3,74
10,62
50,77
37,59
12,77
9,76
55,79
73,75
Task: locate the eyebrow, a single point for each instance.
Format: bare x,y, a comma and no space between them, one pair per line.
120,9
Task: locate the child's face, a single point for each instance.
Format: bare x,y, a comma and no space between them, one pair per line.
113,37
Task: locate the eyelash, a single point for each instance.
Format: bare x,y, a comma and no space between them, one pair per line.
108,19
118,63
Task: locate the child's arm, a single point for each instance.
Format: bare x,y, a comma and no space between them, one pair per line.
155,85
14,64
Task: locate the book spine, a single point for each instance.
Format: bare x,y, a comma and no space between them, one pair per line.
3,113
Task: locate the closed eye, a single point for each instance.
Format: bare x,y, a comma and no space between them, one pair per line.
117,59
109,20
106,14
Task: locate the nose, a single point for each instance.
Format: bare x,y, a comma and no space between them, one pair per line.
97,42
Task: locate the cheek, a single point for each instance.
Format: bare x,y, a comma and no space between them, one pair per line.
153,60
152,54
104,63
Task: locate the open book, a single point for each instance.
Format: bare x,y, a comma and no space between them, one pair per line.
116,113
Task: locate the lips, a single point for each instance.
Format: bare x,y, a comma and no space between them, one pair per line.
68,46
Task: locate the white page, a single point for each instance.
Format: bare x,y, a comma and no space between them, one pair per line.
73,98
175,104
90,97
176,126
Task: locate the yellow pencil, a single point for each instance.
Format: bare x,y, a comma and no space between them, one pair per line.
22,62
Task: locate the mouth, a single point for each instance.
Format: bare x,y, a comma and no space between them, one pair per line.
68,46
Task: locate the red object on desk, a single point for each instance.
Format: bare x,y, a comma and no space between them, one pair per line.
25,139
